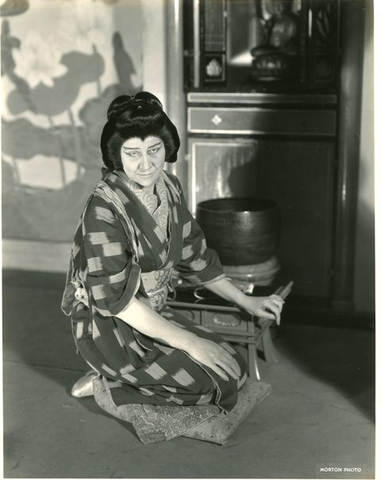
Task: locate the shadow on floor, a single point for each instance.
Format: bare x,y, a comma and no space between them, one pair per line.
335,355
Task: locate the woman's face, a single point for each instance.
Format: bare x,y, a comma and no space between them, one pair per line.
143,160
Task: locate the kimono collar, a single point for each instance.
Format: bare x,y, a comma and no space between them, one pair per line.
155,203
151,234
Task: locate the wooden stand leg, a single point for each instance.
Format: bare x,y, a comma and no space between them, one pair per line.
253,361
268,347
264,325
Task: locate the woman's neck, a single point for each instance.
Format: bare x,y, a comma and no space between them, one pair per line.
149,190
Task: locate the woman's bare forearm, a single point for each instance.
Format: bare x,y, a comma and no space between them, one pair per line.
225,289
142,318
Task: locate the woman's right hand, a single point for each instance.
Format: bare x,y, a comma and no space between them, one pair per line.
215,357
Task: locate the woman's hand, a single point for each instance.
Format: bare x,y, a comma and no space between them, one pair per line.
215,357
264,307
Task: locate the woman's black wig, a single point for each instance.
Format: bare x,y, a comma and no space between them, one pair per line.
138,116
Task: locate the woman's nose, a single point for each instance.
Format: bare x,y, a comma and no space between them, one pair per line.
145,163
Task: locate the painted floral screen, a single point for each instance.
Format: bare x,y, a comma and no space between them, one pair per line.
63,61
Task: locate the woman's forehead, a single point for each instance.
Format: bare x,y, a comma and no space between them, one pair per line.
136,142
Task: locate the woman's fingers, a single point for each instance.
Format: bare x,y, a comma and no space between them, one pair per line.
217,358
228,357
231,367
277,300
275,310
272,308
226,362
274,304
225,368
262,313
236,367
220,372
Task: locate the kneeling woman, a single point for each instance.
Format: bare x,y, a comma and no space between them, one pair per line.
134,232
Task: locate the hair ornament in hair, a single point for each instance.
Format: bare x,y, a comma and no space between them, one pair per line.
126,102
148,99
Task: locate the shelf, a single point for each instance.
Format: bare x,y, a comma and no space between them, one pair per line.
227,98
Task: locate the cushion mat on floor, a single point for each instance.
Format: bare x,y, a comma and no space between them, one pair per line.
219,429
204,422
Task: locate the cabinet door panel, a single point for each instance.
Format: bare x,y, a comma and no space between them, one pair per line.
299,177
222,168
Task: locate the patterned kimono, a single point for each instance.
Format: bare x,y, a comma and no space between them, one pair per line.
127,246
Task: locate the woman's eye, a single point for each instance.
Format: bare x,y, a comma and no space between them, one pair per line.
133,154
154,150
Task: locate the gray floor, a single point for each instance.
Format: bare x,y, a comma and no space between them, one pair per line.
319,415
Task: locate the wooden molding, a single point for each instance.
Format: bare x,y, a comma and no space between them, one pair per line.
348,148
36,256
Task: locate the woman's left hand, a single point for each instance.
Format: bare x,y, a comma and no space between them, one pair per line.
264,307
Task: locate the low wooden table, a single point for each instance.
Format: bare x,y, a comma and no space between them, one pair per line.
233,324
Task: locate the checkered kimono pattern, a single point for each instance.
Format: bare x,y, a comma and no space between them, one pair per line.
117,243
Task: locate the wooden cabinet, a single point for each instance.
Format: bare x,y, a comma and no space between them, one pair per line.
294,138
272,148
299,176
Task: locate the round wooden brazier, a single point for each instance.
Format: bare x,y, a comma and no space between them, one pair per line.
244,231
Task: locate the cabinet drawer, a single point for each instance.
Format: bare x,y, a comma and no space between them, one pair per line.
249,121
193,315
226,322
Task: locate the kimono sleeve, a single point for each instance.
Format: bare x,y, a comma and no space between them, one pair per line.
113,276
199,264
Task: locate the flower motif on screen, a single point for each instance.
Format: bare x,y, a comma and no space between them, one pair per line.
85,24
38,60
